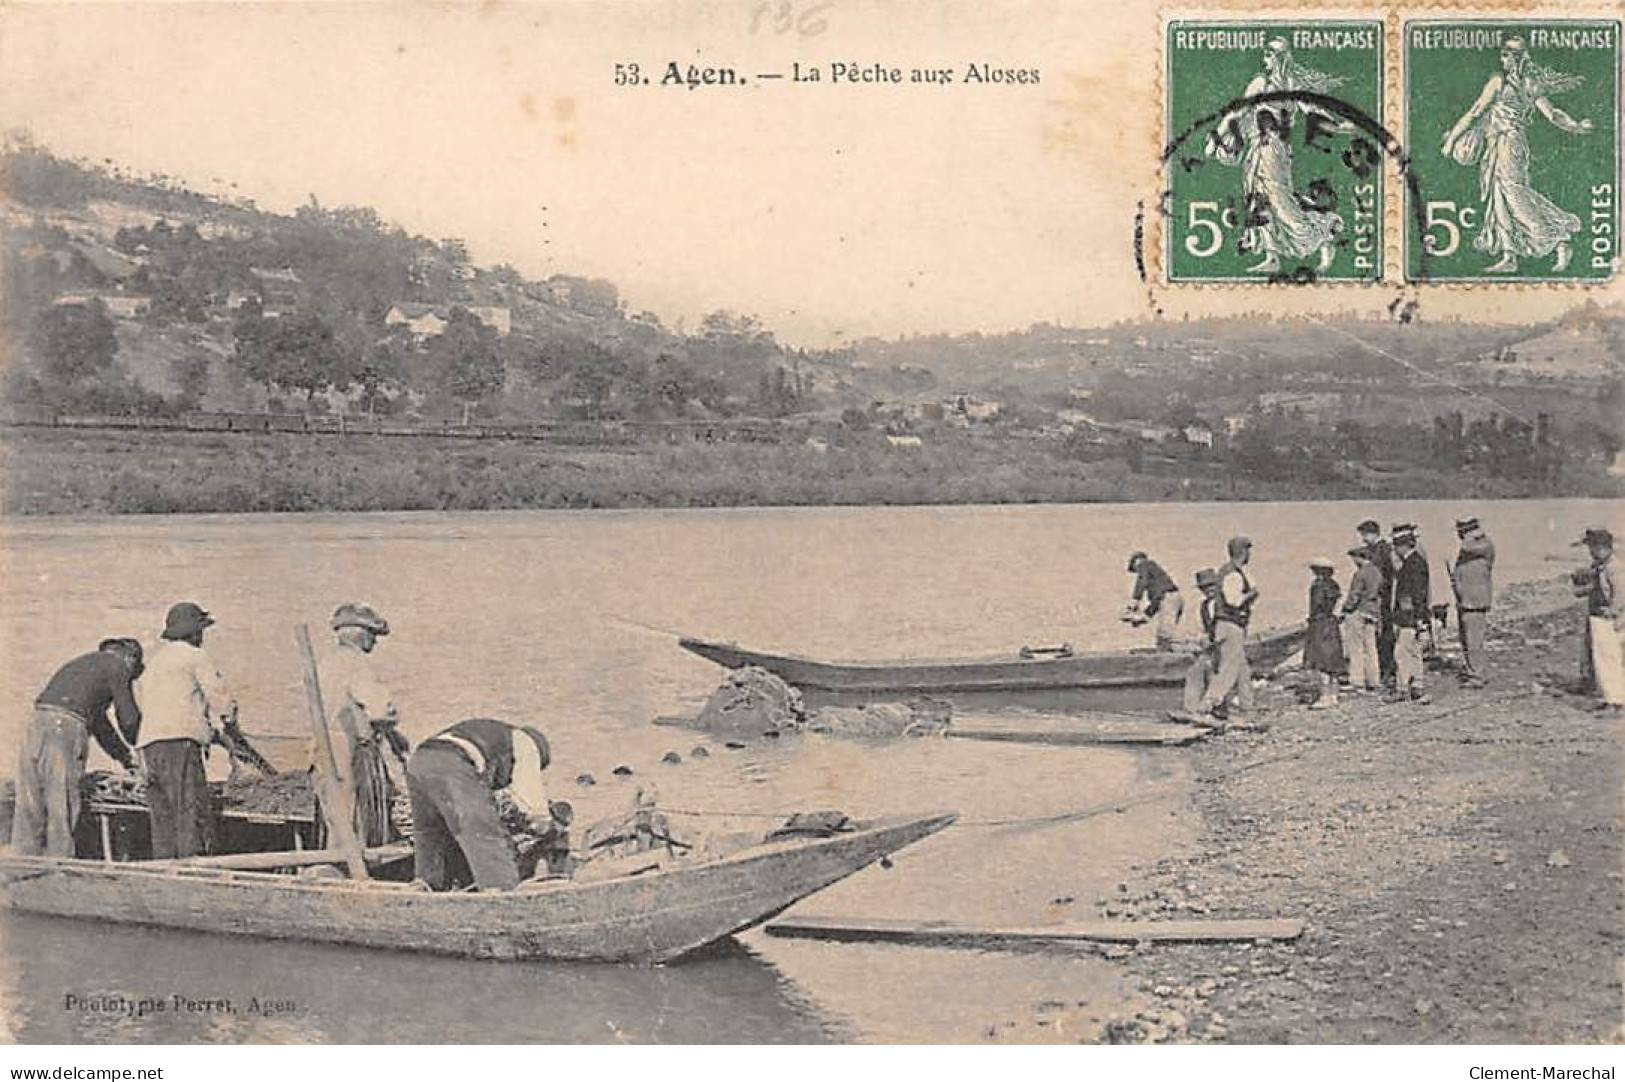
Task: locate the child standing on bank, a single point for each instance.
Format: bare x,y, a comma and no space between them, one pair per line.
1323,649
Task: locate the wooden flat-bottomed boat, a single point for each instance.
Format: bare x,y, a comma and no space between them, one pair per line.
1042,671
653,916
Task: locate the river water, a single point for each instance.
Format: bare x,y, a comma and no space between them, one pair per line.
551,618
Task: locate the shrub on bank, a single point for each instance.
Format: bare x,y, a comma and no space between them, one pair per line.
55,472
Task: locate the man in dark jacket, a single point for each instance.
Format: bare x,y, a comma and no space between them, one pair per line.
458,831
1472,577
1161,597
1381,555
1412,613
72,709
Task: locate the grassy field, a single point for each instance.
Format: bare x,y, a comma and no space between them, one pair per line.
48,471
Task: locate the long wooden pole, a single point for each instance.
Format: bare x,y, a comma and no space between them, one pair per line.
338,800
288,858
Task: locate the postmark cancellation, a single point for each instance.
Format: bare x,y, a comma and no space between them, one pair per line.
1403,147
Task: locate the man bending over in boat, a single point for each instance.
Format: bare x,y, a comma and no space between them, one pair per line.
1161,598
72,708
458,832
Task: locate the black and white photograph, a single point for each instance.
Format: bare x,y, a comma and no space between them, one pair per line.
812,522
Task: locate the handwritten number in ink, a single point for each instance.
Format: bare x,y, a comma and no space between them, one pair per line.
782,18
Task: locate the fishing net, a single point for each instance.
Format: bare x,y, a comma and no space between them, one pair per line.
917,717
754,701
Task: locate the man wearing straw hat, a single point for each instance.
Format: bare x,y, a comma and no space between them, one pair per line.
1411,615
1472,578
185,706
365,716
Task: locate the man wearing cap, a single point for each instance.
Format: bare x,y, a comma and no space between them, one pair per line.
72,708
1202,667
1603,587
1381,554
365,716
458,834
1411,614
1362,614
1232,610
1161,598
185,705
1472,579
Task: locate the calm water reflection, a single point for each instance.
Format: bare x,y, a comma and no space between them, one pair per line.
531,616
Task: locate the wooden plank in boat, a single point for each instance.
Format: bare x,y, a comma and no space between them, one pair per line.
929,931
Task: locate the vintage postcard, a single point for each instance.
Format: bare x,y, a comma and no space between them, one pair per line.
812,522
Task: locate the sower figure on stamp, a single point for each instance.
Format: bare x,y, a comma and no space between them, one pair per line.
1519,222
72,708
184,705
1282,224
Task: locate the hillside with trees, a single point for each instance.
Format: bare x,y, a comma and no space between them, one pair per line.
137,295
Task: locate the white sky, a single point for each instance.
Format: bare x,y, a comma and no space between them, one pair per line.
828,211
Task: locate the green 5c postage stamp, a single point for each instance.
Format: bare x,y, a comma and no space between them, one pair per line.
1274,151
1513,130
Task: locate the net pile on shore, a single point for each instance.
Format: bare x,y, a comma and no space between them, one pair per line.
917,717
752,701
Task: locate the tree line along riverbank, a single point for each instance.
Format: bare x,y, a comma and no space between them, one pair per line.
53,471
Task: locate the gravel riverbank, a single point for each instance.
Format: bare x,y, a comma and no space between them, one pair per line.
1458,865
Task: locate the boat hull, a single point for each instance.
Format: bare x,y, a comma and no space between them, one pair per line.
1139,669
650,918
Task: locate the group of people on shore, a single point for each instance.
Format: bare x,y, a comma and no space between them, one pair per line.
1374,636
159,716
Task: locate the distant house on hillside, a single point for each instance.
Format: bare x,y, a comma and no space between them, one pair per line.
429,320
278,289
1198,433
1151,433
421,319
495,316
119,305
